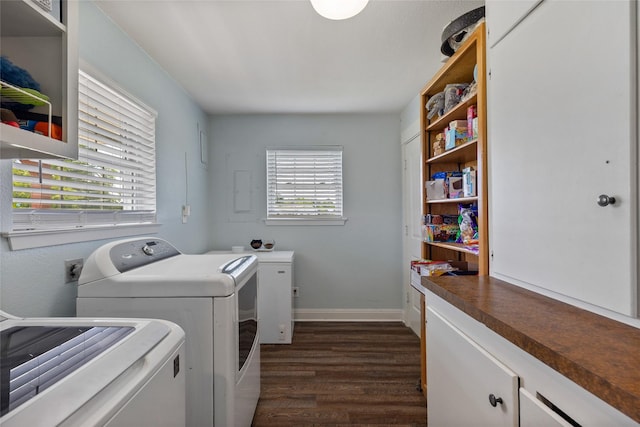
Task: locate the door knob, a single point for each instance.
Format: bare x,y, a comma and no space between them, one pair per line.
494,400
604,200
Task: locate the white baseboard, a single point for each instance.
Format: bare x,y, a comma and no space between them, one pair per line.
348,315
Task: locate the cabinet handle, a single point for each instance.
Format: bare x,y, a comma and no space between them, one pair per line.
281,272
604,200
494,400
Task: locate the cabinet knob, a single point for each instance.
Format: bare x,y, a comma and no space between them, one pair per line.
604,200
494,400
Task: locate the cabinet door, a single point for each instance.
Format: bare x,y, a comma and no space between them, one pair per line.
274,303
562,125
461,377
503,16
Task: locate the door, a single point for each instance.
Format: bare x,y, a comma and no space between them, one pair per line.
467,385
412,182
563,129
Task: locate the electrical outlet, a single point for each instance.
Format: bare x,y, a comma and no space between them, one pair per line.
296,293
72,269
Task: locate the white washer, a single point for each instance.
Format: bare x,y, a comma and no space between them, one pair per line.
212,297
91,372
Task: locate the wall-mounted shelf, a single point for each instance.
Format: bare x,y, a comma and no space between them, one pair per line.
46,48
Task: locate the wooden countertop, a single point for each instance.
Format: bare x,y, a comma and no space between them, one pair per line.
599,354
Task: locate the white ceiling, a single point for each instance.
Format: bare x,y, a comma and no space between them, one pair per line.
279,56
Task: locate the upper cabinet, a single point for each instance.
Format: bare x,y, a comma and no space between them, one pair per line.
39,79
453,120
563,125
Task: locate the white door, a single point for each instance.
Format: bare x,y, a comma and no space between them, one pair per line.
562,125
412,182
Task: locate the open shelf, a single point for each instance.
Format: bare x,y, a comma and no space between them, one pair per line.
458,200
464,153
459,112
458,247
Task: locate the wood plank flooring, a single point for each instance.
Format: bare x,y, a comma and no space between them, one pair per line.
342,374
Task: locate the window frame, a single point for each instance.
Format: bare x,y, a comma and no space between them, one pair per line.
75,232
302,219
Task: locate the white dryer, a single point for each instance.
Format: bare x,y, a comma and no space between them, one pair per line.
212,297
91,372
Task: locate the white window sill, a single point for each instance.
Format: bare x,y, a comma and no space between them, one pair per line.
305,221
40,238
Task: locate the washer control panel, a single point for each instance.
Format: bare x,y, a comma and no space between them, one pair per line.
134,254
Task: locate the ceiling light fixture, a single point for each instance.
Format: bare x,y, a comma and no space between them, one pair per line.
338,9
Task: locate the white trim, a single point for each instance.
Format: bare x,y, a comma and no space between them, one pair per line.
40,238
348,315
304,221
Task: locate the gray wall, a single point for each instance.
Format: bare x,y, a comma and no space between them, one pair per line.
32,280
355,266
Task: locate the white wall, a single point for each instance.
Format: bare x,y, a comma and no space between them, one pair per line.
355,266
32,281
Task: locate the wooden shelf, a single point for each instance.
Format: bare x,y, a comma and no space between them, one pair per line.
458,68
464,153
458,200
458,247
459,112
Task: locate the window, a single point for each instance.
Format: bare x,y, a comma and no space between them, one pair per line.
113,182
305,184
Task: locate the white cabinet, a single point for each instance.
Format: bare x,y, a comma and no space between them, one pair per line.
275,297
466,386
503,16
563,118
36,41
467,361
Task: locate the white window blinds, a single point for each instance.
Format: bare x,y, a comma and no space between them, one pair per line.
304,183
112,182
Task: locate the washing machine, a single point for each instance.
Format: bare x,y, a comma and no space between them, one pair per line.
91,372
212,297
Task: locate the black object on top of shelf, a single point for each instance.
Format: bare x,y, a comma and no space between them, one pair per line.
458,29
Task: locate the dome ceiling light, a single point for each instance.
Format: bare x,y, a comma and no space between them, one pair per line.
338,9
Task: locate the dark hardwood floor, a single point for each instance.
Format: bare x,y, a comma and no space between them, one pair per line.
342,374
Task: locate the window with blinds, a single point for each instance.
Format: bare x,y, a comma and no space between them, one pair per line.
112,182
304,183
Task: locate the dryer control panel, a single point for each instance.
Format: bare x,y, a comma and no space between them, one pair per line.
137,253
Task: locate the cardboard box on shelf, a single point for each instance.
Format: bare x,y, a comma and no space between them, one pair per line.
441,232
469,182
436,189
455,137
438,146
456,190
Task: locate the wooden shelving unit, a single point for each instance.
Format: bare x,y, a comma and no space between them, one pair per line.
458,69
